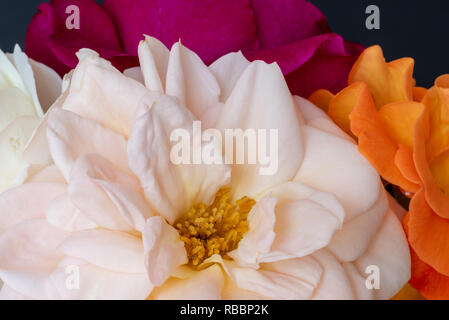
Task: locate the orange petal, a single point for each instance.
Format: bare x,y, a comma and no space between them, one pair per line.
431,284
399,120
408,293
321,98
440,171
437,102
341,106
428,234
404,161
442,81
388,82
436,199
418,93
374,142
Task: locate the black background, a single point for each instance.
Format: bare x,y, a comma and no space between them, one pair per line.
413,28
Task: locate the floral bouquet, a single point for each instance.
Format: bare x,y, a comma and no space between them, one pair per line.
217,149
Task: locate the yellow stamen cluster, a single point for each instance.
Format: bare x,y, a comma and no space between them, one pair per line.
214,229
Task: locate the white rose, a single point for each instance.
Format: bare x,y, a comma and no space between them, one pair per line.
116,213
27,89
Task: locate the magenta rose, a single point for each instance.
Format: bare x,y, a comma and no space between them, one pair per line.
293,33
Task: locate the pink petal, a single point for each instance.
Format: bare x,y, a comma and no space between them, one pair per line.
305,61
281,22
308,78
210,28
49,41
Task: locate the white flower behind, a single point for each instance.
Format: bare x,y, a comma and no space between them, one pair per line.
27,89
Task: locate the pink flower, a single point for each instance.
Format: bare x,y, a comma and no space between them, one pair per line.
112,204
294,33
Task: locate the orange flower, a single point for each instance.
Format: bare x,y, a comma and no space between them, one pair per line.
403,131
379,108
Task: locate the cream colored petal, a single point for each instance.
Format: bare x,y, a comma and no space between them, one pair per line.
389,252
305,221
62,213
66,80
14,103
111,250
37,151
115,97
7,293
358,282
9,76
191,81
302,227
317,118
104,194
97,283
353,239
228,70
28,255
206,284
293,191
23,66
232,292
163,248
48,174
171,187
293,279
334,284
134,73
396,207
26,202
260,236
334,165
70,136
261,100
153,58
48,84
13,139
129,202
211,115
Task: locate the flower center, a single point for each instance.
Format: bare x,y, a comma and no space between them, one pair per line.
214,229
